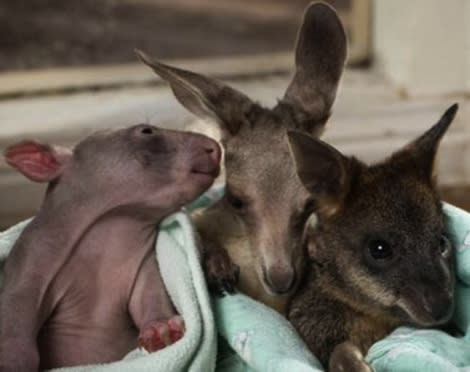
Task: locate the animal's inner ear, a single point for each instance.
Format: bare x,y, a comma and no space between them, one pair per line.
420,154
38,162
204,96
320,58
321,168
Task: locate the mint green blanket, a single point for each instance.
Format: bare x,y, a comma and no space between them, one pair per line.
255,338
266,342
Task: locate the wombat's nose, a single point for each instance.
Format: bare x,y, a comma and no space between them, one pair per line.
204,155
213,150
281,279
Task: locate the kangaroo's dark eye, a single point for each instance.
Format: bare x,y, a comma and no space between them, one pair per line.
444,246
379,250
234,201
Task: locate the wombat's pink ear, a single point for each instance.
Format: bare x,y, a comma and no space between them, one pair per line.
38,162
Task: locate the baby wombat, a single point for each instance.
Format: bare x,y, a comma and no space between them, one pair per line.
81,284
379,253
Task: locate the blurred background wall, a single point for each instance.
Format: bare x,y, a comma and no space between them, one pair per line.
423,46
45,33
67,68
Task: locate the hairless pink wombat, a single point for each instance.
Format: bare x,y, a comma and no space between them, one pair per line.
82,284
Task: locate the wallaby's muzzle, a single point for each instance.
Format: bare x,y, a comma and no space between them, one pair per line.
427,307
441,307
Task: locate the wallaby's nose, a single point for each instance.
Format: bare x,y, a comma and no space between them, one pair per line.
281,279
440,306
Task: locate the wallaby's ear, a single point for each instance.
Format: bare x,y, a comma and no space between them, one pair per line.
321,168
38,162
319,58
203,96
420,154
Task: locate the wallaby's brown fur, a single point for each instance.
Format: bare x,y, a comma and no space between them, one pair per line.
256,232
379,255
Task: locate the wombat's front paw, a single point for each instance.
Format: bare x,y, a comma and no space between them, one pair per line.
161,333
221,273
347,357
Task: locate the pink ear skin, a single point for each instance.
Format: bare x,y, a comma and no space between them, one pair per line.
38,162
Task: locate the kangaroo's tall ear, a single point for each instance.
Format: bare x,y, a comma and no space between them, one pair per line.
204,96
419,155
319,58
322,169
38,162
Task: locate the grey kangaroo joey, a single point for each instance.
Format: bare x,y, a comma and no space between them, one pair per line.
379,255
252,239
82,284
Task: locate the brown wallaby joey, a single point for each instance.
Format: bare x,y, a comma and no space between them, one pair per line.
379,254
255,234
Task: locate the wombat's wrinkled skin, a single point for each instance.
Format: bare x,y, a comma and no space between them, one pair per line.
379,254
81,284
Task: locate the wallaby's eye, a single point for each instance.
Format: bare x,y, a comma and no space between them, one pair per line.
444,246
380,250
234,201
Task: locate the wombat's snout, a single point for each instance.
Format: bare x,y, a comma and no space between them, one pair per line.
213,150
280,279
205,154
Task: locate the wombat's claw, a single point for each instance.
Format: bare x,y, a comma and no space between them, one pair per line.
346,357
161,333
221,273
